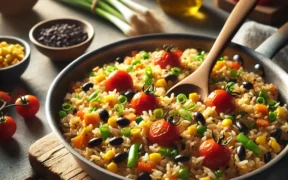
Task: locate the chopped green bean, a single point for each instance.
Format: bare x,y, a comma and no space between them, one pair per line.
104,131
133,155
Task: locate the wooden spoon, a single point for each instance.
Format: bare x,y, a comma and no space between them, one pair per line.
198,80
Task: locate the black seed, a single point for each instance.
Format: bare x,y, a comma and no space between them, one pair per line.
259,69
247,85
242,127
120,157
276,134
87,86
123,121
267,157
116,141
170,77
129,95
104,115
199,118
120,59
181,158
144,176
95,142
238,59
241,152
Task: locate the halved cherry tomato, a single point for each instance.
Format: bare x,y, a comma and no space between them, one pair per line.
144,102
235,65
29,106
164,58
7,127
215,155
223,101
119,80
163,133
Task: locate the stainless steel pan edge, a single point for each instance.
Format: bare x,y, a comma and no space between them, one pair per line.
81,66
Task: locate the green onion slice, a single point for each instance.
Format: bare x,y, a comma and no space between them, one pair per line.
122,99
136,62
145,55
263,94
158,113
130,68
67,107
260,100
189,105
272,116
94,96
105,131
148,71
119,108
126,131
181,98
273,104
62,114
176,71
185,114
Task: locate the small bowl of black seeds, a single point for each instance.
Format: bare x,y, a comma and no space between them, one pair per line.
62,39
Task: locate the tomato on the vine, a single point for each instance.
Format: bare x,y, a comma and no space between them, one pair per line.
222,100
165,58
144,102
215,155
163,133
28,106
119,80
7,127
4,96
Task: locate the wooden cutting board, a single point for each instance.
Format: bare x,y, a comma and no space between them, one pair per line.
274,14
51,160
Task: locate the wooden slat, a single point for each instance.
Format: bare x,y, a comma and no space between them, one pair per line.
51,160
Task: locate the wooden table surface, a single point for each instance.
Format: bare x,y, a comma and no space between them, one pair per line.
41,71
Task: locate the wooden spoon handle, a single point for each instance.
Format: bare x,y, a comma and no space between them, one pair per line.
236,18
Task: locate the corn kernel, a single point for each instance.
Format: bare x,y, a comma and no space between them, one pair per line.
112,122
275,146
109,155
281,112
138,57
112,167
194,97
145,123
226,122
192,130
206,178
135,132
161,83
261,140
100,77
155,157
111,100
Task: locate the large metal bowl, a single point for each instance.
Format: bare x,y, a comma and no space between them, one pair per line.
80,67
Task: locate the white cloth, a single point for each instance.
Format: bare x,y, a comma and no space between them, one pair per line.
252,34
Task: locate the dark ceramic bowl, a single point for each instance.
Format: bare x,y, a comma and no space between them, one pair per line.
62,53
81,66
16,70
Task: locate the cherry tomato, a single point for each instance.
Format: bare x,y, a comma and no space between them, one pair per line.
29,106
215,155
235,65
4,96
164,58
223,101
7,127
261,2
163,133
144,102
119,80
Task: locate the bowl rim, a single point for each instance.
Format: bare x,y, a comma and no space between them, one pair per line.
36,26
22,42
56,130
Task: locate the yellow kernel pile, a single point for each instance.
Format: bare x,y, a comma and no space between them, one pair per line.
10,54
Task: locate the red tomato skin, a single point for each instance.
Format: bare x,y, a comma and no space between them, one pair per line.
119,80
7,128
4,96
163,133
235,65
168,58
215,155
144,102
223,101
31,109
